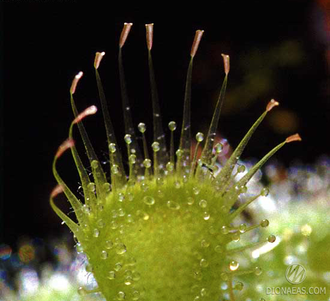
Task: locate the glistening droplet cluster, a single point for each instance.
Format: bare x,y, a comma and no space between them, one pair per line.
166,230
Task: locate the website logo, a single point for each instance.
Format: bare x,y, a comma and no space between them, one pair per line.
295,273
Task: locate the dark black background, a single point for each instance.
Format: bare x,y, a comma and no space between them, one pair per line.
47,42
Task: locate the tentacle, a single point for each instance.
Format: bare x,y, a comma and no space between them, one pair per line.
115,158
185,140
235,191
250,246
240,209
206,156
68,221
256,167
78,118
84,178
227,170
159,135
129,128
75,203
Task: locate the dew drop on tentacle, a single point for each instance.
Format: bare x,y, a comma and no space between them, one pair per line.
218,148
121,249
96,233
109,244
173,205
239,286
172,126
205,243
155,146
206,215
202,203
190,201
147,163
91,187
136,276
113,225
258,271
121,212
148,200
118,266
203,292
136,295
121,295
112,148
169,166
264,223
242,228
224,230
121,198
112,275
104,254
199,137
128,139
82,291
272,238
196,190
204,263
235,236
100,223
264,192
241,169
107,187
218,249
233,265
115,169
142,127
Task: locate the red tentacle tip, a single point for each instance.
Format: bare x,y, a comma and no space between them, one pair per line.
124,34
226,62
68,143
56,191
197,40
89,111
98,58
273,103
75,82
150,35
293,138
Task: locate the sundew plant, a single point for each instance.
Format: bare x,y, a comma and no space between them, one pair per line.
168,226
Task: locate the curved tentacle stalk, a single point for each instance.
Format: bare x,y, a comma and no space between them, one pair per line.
185,139
115,157
226,171
68,221
129,128
159,135
206,156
